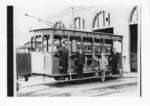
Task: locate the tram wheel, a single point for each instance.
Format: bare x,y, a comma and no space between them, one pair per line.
103,76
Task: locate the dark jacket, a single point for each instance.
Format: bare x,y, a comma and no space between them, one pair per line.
80,59
79,63
63,55
115,62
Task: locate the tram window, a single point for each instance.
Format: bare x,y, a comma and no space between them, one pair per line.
117,46
97,49
108,46
44,45
65,39
38,38
107,50
87,45
97,46
45,42
38,43
75,44
109,41
89,62
50,45
56,45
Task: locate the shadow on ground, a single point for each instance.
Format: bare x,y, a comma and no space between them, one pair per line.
84,81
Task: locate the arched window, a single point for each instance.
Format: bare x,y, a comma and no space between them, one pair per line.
101,19
133,17
59,25
134,36
79,23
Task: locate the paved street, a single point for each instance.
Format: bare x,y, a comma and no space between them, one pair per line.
42,86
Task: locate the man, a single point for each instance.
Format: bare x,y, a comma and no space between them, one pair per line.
114,60
103,62
63,55
79,62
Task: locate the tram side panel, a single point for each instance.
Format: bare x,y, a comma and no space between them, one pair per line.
55,67
23,61
37,61
48,64
42,63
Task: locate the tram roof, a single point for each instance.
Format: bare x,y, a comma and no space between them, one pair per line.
70,30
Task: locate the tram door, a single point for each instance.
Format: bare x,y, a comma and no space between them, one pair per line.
133,46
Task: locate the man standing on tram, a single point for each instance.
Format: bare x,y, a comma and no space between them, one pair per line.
115,61
103,63
63,55
79,62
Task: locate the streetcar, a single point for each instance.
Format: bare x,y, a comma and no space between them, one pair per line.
38,55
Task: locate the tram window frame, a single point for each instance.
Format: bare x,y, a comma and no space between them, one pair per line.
78,40
46,46
97,47
108,45
57,45
38,49
64,38
91,43
118,50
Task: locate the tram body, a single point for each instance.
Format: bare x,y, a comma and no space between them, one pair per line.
44,44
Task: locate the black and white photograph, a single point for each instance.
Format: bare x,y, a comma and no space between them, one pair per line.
74,49
78,51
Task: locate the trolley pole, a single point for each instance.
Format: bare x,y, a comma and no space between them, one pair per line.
48,23
73,24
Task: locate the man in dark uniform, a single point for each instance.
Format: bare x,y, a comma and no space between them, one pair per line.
114,61
63,55
79,62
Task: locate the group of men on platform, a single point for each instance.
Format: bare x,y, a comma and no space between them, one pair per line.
63,54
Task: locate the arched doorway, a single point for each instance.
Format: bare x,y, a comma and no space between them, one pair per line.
101,22
133,38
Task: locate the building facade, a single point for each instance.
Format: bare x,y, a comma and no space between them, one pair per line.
121,20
